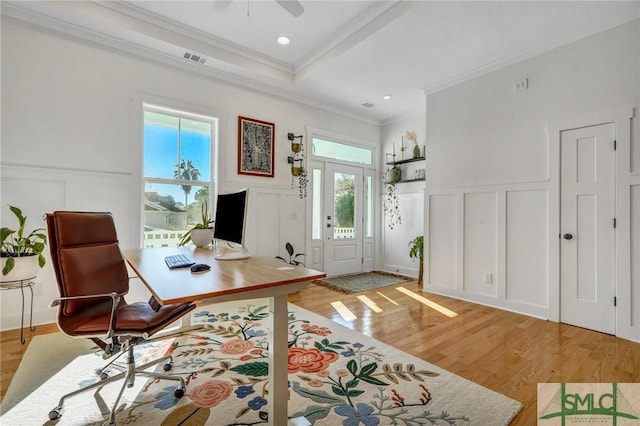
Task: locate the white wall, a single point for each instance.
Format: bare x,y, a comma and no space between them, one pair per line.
491,188
71,140
394,246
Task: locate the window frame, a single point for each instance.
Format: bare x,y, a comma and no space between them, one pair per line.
182,113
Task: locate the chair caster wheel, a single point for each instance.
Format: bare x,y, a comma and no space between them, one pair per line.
55,414
167,366
178,393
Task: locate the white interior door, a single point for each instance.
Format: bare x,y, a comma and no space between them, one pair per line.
343,207
587,228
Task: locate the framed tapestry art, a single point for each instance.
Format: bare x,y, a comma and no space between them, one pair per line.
255,147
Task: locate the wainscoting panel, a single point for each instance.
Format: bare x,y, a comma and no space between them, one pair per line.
490,244
635,144
527,247
635,255
442,240
315,260
480,243
37,191
273,220
266,233
395,243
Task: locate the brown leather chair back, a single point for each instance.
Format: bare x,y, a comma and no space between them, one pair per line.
86,258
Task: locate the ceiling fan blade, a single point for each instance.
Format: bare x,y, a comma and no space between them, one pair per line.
292,6
221,5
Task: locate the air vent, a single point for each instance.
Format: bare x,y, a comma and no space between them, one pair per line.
194,57
367,105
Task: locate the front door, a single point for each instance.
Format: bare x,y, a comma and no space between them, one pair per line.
343,231
587,227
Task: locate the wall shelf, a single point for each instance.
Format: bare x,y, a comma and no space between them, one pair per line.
410,160
401,162
411,180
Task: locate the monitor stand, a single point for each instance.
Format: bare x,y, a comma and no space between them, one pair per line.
234,255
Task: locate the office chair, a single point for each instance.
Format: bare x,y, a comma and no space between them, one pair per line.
92,281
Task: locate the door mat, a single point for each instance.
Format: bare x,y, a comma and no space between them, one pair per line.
362,282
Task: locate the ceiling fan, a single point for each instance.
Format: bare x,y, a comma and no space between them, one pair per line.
292,6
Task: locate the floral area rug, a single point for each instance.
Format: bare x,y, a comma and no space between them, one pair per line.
349,284
336,376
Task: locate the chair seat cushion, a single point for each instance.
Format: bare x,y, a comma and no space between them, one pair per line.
135,319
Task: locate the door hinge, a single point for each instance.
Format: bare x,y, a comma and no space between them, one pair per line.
614,222
615,144
615,301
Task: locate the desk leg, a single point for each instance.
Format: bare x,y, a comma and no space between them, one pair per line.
278,361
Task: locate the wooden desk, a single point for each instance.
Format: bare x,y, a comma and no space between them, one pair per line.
250,278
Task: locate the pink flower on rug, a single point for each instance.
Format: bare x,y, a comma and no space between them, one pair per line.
236,347
309,360
162,349
316,329
211,393
342,373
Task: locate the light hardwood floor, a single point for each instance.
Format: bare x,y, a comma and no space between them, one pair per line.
503,351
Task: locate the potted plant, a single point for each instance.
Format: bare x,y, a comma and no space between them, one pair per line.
416,251
21,255
201,234
292,257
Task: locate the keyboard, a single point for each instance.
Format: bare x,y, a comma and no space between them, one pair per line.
178,261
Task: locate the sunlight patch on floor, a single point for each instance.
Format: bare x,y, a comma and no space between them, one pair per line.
433,305
344,312
370,303
388,298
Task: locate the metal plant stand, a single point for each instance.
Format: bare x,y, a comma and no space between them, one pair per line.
22,284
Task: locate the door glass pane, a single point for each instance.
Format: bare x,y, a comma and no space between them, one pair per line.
316,204
344,192
368,207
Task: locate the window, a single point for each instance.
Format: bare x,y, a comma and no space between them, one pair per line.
316,209
177,169
368,206
341,151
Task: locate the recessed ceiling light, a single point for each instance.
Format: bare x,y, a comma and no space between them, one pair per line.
387,97
283,40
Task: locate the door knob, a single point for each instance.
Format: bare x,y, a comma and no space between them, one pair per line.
567,236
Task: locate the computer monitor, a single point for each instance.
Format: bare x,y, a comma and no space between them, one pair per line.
231,215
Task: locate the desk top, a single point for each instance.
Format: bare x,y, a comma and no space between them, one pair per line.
226,277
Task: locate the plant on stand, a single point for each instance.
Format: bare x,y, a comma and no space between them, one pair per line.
201,233
21,255
416,251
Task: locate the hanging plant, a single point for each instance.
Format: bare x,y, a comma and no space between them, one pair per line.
391,203
298,170
302,183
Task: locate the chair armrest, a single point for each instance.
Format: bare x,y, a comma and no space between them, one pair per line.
115,300
58,301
